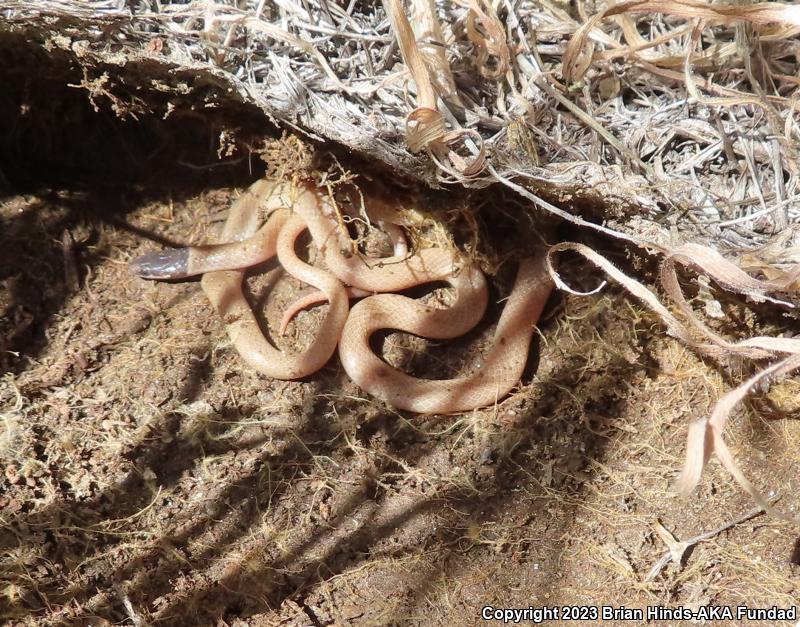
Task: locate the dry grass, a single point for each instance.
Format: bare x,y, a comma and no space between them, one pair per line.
683,110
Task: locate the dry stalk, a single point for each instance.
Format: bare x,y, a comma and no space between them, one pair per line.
579,51
705,434
425,125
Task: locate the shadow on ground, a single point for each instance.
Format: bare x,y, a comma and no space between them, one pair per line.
70,167
319,499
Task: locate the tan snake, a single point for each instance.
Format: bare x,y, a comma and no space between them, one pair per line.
244,245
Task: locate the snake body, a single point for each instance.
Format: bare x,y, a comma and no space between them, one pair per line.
491,381
245,245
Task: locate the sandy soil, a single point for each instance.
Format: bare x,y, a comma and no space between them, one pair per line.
151,478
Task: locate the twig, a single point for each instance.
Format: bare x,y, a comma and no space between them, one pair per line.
678,548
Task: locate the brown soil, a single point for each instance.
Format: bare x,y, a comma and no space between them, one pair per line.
151,478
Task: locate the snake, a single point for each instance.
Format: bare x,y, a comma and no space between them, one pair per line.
293,209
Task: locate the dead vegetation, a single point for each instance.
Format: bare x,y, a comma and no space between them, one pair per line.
148,478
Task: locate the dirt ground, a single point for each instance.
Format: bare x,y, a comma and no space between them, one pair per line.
150,478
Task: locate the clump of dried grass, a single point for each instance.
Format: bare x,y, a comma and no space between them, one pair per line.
402,78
